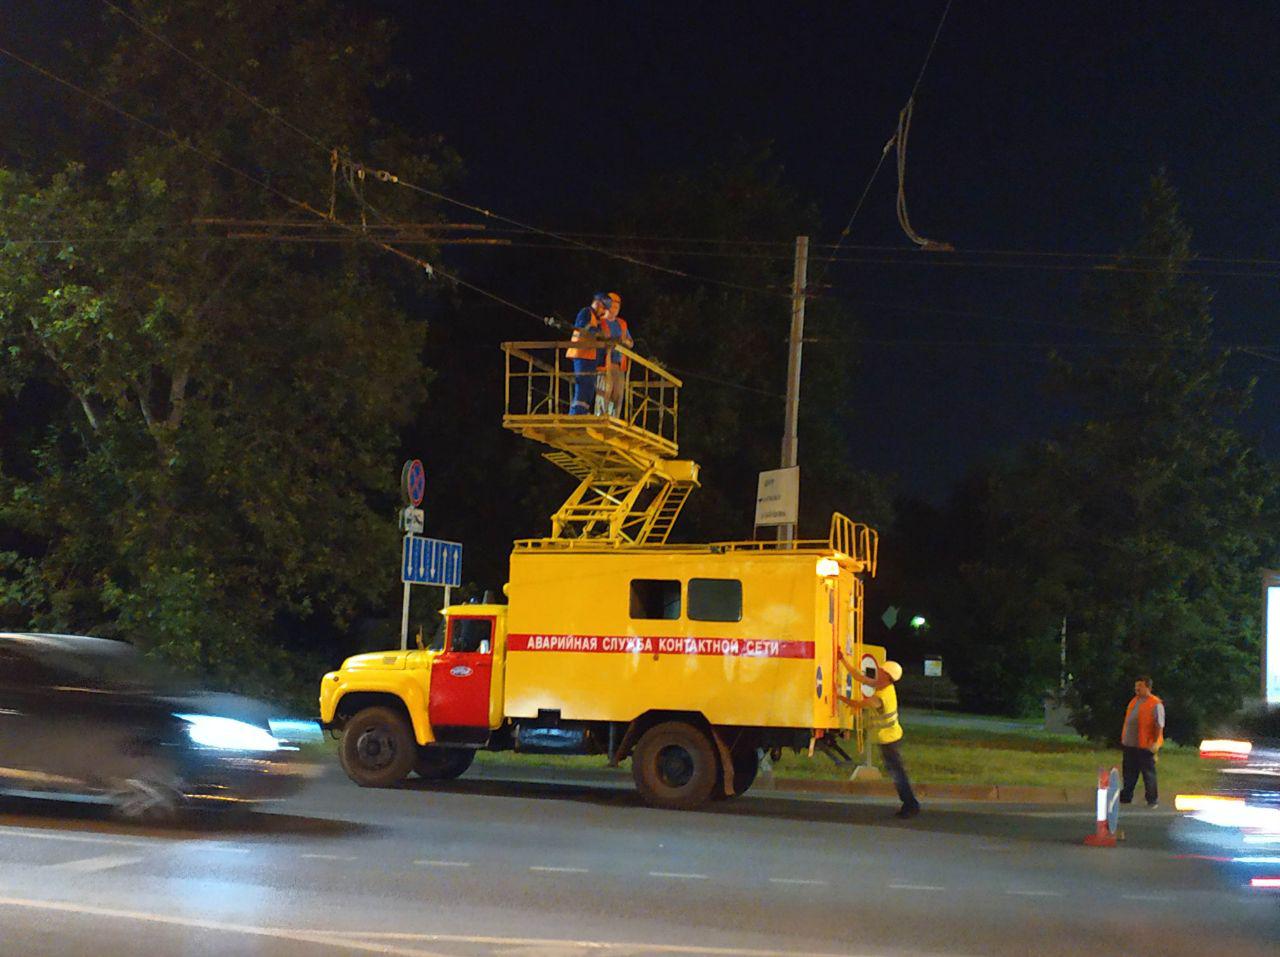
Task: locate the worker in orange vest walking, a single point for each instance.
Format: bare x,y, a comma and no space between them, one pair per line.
1141,738
589,325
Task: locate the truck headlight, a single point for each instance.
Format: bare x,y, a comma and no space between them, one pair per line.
227,734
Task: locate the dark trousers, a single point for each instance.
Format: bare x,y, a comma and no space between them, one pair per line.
1139,760
584,387
898,771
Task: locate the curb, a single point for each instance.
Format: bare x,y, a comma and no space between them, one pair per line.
1007,794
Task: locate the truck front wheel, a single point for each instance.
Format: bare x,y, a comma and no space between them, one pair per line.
378,750
442,764
674,765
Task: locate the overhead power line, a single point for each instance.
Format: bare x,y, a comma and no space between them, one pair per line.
430,269
427,267
884,152
363,170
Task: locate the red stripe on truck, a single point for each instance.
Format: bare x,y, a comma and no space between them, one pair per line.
657,645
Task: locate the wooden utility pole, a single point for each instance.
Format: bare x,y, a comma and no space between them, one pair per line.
790,442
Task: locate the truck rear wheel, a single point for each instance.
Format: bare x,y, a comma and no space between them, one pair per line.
442,764
378,750
675,766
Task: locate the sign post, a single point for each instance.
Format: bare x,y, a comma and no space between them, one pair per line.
1271,638
423,561
933,669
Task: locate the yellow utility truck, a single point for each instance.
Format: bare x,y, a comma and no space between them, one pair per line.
690,660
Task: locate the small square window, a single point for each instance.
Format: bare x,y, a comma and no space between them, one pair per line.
655,598
715,599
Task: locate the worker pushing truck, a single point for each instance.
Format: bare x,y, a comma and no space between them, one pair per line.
689,660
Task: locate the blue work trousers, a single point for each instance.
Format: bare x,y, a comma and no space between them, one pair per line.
584,386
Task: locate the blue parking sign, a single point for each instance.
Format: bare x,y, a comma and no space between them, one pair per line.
429,561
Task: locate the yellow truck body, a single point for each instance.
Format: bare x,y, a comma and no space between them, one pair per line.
752,644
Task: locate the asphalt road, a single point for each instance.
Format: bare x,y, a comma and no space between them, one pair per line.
486,866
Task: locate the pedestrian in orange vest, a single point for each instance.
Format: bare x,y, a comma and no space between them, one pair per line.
1141,738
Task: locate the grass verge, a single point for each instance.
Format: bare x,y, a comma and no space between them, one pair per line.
1002,754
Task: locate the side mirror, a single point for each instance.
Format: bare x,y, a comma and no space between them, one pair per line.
484,646
418,639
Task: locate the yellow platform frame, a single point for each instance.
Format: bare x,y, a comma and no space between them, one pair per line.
631,485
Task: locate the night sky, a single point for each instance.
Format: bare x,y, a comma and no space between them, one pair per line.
1036,128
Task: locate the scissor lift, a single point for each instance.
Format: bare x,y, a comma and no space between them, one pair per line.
631,485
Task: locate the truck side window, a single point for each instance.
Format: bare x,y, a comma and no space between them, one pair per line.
655,598
468,634
715,599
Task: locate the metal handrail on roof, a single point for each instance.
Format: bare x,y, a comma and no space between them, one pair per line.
854,541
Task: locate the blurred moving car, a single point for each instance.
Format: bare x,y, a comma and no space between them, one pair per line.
1238,823
91,719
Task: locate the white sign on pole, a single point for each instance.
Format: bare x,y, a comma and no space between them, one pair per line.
933,667
1271,641
412,519
778,497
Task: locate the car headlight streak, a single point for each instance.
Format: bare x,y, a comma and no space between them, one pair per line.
227,734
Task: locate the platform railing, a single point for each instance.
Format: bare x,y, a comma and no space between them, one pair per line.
860,542
539,380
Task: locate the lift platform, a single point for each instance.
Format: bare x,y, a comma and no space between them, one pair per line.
631,483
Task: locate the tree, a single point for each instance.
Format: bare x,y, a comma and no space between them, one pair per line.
207,470
1170,498
1143,525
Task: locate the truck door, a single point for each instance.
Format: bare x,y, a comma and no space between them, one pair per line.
461,675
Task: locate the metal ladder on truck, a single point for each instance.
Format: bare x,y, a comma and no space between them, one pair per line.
631,484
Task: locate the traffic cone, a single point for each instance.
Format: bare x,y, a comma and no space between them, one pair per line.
1102,835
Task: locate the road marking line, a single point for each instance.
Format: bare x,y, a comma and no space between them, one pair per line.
328,857
443,863
796,880
88,865
603,946
1147,897
899,886
280,933
678,876
220,848
1034,893
560,870
22,832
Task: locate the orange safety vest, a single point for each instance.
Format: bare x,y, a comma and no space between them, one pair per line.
612,358
1150,734
575,352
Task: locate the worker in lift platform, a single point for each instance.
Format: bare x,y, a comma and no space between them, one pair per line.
588,326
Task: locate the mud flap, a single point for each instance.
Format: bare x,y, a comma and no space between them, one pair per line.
726,762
